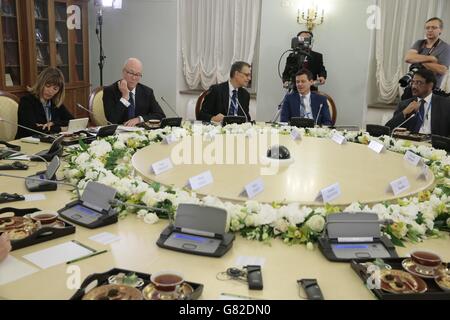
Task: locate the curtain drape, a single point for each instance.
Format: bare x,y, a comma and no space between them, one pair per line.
402,23
214,34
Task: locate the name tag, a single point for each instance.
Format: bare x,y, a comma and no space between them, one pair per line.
295,135
201,180
412,158
399,186
254,188
329,194
162,166
376,146
338,138
169,139
425,173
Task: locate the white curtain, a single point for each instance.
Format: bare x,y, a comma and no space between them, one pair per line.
402,23
214,34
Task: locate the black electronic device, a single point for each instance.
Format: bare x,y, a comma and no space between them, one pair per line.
56,149
376,130
302,122
199,230
440,142
233,119
40,182
349,236
10,197
5,154
93,209
10,146
279,153
171,122
254,277
16,165
311,288
107,131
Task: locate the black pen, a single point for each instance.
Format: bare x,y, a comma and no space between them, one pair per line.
84,246
88,256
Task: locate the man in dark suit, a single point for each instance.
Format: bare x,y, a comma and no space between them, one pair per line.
426,112
304,103
228,98
127,101
313,63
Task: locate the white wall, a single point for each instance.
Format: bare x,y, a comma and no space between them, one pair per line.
146,29
344,41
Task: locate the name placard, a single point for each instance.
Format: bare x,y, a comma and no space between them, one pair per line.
201,180
169,139
295,135
339,139
399,186
425,173
412,158
254,188
376,146
162,166
329,194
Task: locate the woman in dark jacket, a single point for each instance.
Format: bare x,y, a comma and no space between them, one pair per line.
42,109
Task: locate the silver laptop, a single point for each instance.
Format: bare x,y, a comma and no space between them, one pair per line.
77,125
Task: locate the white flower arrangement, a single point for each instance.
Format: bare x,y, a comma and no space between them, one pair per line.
108,161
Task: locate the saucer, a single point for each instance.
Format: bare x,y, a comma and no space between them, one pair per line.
411,267
129,280
113,292
401,282
183,292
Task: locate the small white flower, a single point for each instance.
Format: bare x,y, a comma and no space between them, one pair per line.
151,218
310,246
316,223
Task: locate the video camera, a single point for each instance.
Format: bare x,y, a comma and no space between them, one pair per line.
301,43
406,79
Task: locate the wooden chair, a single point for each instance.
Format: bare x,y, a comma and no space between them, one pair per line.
199,104
9,104
331,107
96,107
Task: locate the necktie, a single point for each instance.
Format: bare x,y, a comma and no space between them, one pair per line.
302,107
48,113
421,116
233,106
131,107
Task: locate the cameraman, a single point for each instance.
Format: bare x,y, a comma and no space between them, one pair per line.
313,61
431,53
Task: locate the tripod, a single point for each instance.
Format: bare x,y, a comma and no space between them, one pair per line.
99,33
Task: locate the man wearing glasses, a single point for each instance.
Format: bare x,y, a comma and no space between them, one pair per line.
228,98
431,53
129,102
426,112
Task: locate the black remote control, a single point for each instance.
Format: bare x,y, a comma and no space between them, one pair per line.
311,288
254,277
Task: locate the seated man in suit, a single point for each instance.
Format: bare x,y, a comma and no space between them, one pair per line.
228,98
127,101
426,112
304,103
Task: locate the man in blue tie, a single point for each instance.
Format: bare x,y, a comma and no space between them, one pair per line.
228,98
426,112
304,103
129,102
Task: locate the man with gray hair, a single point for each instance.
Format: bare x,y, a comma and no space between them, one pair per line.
129,102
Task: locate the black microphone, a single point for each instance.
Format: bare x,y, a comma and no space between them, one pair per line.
170,107
401,124
90,112
26,128
318,114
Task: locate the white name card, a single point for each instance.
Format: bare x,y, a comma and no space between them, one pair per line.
329,194
295,135
412,158
201,180
162,166
399,186
254,188
338,138
376,146
425,173
169,139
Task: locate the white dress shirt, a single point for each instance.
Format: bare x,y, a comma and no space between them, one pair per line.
426,126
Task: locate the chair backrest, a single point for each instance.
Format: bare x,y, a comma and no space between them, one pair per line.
97,108
199,104
331,107
9,105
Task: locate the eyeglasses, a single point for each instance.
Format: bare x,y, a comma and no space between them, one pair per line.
248,75
138,75
432,28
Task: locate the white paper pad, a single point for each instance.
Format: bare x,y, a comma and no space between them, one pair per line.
242,261
35,197
105,238
12,269
58,254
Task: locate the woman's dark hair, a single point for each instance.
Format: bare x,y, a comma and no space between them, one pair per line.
50,76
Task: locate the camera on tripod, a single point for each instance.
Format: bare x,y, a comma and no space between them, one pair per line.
301,43
406,79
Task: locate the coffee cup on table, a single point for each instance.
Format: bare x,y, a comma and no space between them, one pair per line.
167,282
426,262
44,217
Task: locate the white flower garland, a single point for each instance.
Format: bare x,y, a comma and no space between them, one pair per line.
108,161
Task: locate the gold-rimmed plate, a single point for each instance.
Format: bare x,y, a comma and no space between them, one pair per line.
412,268
401,282
443,281
184,292
113,292
12,223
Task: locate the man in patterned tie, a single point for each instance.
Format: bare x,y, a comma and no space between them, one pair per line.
129,102
228,98
426,112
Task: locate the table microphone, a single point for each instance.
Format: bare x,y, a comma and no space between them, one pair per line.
19,153
318,114
239,104
396,128
23,127
170,107
90,112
